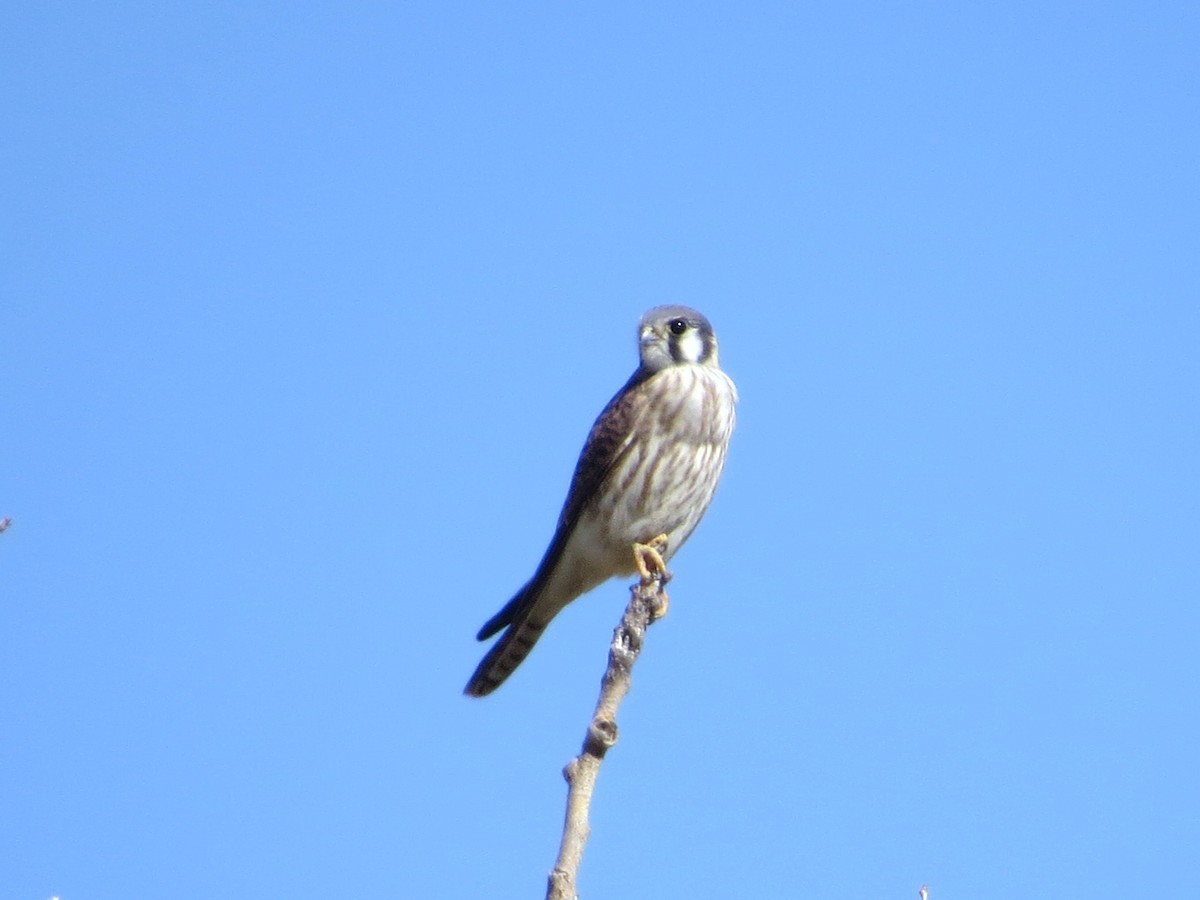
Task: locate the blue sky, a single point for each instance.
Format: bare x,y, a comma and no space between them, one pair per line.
305,313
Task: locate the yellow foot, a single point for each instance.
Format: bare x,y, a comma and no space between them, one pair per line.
648,559
653,570
661,603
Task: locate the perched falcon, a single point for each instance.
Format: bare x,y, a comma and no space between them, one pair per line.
645,477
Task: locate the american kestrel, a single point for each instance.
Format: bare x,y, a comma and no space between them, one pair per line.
645,477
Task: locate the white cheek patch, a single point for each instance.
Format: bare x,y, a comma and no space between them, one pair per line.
691,345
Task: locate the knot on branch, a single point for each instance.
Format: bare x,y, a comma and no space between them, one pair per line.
627,643
561,884
601,736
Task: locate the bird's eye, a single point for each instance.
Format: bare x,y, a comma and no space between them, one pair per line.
678,326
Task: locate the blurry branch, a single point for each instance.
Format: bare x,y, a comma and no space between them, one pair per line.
648,603
4,523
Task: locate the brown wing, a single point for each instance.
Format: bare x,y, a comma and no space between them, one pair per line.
609,440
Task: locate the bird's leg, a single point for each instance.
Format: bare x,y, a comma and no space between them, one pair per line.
648,559
652,569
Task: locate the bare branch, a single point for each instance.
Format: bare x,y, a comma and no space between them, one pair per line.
648,603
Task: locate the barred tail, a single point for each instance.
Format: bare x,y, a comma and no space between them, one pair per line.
504,657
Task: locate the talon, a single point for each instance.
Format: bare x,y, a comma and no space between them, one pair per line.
648,559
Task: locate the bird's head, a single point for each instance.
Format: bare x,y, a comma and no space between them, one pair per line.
674,336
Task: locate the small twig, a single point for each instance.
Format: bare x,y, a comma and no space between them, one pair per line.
645,606
4,523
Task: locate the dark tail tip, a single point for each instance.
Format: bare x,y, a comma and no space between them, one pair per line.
502,659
